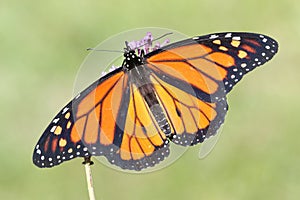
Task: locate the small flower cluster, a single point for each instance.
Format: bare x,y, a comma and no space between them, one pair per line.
145,44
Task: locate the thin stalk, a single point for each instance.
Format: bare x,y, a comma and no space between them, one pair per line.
87,164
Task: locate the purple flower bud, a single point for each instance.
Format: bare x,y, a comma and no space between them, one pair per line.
167,41
157,46
132,45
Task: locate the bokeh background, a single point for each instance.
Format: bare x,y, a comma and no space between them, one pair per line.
42,44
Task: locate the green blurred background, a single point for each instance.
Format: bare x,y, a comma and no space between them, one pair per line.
42,44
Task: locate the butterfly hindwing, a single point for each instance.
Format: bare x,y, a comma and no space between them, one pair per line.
143,144
191,118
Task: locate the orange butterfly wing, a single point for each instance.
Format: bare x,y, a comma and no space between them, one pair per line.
216,62
109,118
191,118
76,126
203,70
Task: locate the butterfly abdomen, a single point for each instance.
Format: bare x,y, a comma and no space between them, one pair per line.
140,77
160,118
148,93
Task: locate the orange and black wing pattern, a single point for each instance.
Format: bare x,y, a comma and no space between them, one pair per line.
77,124
203,70
180,96
214,62
191,118
109,118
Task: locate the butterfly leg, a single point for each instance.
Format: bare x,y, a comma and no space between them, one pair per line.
87,160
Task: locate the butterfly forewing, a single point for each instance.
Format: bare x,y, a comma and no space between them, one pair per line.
218,61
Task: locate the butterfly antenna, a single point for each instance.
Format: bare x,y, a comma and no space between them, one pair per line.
127,48
162,36
104,50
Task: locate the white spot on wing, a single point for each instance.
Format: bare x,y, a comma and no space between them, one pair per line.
38,151
77,96
236,38
228,35
213,36
243,65
55,120
65,110
52,129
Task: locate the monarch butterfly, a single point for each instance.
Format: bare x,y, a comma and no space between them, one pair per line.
176,93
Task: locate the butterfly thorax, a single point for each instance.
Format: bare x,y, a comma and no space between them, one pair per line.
131,60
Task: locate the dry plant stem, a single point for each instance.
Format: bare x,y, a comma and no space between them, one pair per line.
87,164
